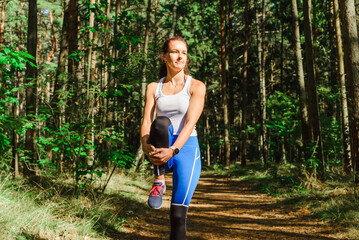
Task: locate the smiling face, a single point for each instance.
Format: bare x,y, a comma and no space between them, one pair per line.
176,57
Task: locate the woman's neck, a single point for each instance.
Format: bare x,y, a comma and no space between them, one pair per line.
176,78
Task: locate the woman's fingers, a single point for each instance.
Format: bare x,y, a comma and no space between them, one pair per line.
160,156
156,161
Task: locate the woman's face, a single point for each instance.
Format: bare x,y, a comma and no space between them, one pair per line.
176,58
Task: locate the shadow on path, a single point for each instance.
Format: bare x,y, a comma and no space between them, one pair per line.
224,208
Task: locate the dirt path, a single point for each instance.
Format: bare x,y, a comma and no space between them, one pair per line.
224,208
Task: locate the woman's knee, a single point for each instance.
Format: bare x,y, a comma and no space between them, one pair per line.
159,133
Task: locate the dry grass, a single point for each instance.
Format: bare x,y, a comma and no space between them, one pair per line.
49,209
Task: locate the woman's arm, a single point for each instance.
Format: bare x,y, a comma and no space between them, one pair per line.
148,117
195,108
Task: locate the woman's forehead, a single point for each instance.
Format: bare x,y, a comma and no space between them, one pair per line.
176,44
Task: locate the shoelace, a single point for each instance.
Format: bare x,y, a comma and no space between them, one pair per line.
156,190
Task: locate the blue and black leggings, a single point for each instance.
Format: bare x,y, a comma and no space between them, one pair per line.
186,168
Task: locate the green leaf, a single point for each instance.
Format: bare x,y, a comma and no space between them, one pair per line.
55,149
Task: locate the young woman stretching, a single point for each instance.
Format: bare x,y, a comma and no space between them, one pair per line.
170,140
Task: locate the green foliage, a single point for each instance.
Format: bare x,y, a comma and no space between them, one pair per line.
283,124
10,62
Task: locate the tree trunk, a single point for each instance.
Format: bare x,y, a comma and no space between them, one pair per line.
230,62
2,24
206,107
60,80
317,146
230,79
351,60
306,134
155,33
174,19
282,44
39,124
227,147
31,75
72,38
2,32
344,99
91,82
106,85
140,157
54,49
16,137
244,85
315,47
114,84
262,84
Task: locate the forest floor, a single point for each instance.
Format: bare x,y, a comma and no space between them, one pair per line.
227,208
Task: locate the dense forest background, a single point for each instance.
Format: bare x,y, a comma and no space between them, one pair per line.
282,83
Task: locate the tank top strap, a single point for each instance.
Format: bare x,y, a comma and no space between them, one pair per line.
187,85
158,92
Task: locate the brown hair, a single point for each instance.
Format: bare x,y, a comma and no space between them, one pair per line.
163,69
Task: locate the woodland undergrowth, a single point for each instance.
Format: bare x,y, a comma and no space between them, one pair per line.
48,208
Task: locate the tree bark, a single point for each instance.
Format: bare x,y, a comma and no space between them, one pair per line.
317,146
16,137
244,86
155,37
227,147
31,75
140,157
54,48
174,19
230,80
115,53
2,24
107,85
60,80
72,40
306,135
351,60
2,32
92,81
344,98
262,84
206,107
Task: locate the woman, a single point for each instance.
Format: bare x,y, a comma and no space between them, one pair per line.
170,141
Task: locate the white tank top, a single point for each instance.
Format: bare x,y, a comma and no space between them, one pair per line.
174,106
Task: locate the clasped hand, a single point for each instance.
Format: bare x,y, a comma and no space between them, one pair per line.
159,156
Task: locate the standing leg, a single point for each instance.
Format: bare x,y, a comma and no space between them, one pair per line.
178,216
186,173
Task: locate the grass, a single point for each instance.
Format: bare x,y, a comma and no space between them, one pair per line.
333,200
49,210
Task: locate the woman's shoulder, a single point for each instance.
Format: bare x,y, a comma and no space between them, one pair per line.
151,88
197,85
153,85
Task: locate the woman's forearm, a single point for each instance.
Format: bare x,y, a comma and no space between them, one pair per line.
183,136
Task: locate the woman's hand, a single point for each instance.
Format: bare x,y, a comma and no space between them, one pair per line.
161,156
148,148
